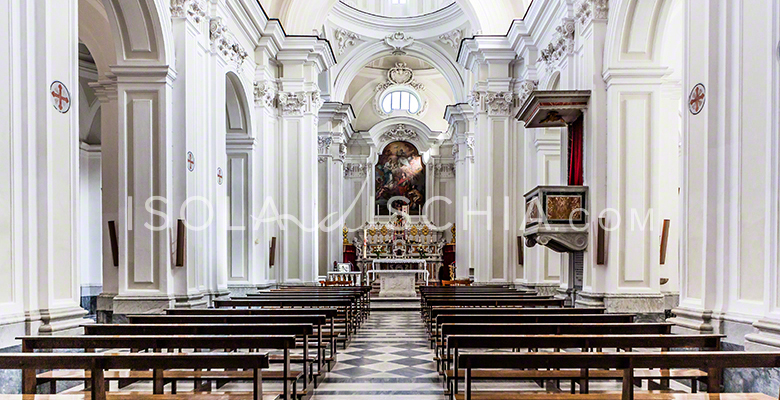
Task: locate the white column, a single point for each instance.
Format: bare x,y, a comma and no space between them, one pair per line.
460,118
39,159
299,102
145,272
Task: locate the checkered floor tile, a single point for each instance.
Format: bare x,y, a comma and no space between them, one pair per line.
389,358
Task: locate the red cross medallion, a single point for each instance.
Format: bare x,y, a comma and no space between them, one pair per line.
219,176
60,96
190,161
697,99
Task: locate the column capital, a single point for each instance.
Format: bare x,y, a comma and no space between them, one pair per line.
265,94
193,9
587,11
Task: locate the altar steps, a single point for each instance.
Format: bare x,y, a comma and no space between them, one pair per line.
394,303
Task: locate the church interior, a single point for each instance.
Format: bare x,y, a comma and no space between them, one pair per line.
390,199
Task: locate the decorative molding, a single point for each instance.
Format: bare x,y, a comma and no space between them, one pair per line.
356,170
400,75
496,103
526,88
342,152
561,44
323,144
470,143
399,41
588,10
322,159
265,94
223,42
188,8
401,132
300,102
292,103
455,150
452,38
345,39
444,170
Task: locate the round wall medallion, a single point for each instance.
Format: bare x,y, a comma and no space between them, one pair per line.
60,96
697,99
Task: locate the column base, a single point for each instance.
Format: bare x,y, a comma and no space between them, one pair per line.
543,289
689,321
767,338
125,305
201,300
589,300
64,321
648,307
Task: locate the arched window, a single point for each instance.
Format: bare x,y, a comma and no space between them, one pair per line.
401,100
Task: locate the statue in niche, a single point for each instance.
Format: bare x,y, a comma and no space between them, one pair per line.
400,172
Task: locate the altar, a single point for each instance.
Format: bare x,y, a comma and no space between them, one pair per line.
398,276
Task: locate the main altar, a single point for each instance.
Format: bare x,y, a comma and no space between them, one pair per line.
399,253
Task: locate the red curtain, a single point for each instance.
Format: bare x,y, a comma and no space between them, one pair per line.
575,153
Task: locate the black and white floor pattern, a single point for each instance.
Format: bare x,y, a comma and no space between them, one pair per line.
388,359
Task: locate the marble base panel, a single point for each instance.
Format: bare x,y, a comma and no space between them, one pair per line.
242,290
397,284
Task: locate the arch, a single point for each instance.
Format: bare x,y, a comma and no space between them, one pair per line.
236,106
141,31
424,134
93,25
301,17
635,33
369,52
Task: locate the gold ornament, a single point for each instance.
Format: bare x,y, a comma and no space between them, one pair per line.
413,231
345,231
383,231
426,231
453,234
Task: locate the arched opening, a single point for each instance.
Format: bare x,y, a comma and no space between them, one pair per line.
90,183
236,180
669,159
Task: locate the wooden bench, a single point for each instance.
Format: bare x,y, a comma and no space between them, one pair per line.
358,308
626,362
436,311
329,313
98,363
551,328
343,305
526,319
317,321
585,343
299,330
140,343
489,302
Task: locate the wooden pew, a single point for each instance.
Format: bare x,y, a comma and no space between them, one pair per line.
317,321
586,343
552,328
526,319
98,363
436,339
488,302
343,305
90,343
436,311
304,330
627,362
359,307
329,313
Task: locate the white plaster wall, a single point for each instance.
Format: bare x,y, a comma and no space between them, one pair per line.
90,248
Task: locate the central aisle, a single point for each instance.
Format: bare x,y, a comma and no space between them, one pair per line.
388,359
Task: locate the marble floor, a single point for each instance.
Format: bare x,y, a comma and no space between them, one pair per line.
388,359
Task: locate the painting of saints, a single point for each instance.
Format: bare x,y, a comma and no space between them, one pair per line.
400,172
